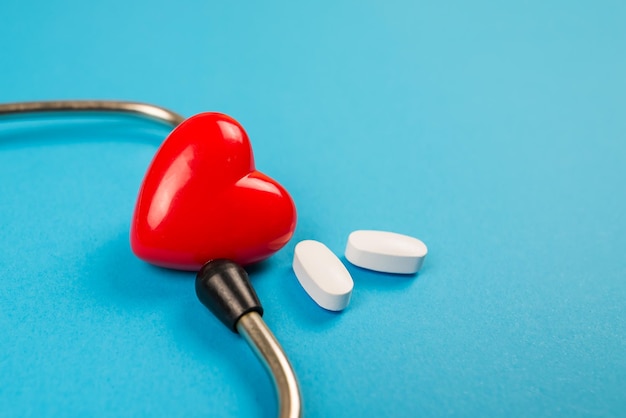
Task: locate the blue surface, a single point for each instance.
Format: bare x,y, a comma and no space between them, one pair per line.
494,132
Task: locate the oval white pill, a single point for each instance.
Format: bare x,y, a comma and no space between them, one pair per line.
322,275
386,252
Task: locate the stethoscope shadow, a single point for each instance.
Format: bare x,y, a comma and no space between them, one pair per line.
20,133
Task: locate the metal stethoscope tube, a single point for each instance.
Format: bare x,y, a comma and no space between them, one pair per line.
250,325
254,330
144,110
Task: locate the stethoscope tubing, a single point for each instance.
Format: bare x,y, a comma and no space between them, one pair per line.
144,110
251,325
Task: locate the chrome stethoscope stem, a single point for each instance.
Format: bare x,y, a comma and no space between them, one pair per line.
254,330
155,113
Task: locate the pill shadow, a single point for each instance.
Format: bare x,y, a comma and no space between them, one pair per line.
298,302
364,278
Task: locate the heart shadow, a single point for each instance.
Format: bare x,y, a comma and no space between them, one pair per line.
140,288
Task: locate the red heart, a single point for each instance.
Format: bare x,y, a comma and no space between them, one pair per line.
202,199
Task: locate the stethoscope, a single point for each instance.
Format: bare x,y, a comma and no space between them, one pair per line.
222,285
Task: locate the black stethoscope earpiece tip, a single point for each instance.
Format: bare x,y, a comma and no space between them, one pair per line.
223,286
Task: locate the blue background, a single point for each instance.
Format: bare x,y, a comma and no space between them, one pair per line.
493,131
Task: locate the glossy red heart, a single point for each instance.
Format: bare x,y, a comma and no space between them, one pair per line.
202,199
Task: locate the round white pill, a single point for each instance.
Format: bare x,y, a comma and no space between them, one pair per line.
386,252
322,275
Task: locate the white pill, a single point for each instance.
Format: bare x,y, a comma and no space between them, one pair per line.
386,252
322,275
